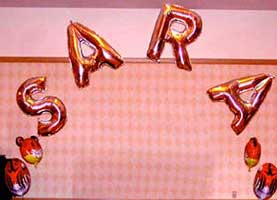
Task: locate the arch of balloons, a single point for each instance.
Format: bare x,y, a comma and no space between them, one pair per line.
17,175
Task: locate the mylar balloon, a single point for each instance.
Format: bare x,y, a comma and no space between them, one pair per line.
17,177
30,149
230,93
252,153
265,182
163,32
48,104
82,65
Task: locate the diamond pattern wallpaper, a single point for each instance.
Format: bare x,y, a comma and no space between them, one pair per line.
143,131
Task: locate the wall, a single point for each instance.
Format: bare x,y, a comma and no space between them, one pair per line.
144,131
226,34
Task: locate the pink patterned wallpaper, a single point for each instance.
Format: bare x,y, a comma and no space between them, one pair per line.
144,131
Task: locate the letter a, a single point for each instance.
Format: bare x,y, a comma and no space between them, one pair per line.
243,110
82,65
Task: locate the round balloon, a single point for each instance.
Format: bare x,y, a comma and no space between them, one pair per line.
265,182
17,177
30,149
252,153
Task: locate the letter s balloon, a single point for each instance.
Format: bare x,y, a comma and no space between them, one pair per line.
35,107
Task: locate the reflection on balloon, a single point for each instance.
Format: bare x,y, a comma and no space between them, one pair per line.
252,153
82,65
30,149
179,39
230,93
17,177
48,104
265,182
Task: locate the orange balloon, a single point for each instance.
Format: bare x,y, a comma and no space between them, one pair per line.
82,65
265,182
230,93
30,149
252,153
48,104
179,40
17,177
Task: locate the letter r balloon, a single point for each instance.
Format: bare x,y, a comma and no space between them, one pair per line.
163,33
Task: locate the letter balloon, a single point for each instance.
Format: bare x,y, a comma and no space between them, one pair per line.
243,110
163,32
82,65
48,104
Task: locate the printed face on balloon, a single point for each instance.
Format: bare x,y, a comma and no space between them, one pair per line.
252,153
30,149
17,177
265,182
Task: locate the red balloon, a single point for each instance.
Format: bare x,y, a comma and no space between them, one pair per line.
265,182
230,93
30,149
252,153
17,177
48,104
82,65
179,40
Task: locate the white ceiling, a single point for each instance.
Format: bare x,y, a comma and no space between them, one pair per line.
193,4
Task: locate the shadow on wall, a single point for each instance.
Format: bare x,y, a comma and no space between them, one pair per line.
4,192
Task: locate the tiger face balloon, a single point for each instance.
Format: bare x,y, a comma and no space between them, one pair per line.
17,177
252,153
265,182
30,149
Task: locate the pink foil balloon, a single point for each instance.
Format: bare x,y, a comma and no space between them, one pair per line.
179,40
35,107
230,93
82,65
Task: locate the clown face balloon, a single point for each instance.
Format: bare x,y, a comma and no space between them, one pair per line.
30,149
265,182
17,177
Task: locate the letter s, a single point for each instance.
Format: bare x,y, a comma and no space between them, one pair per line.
34,107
